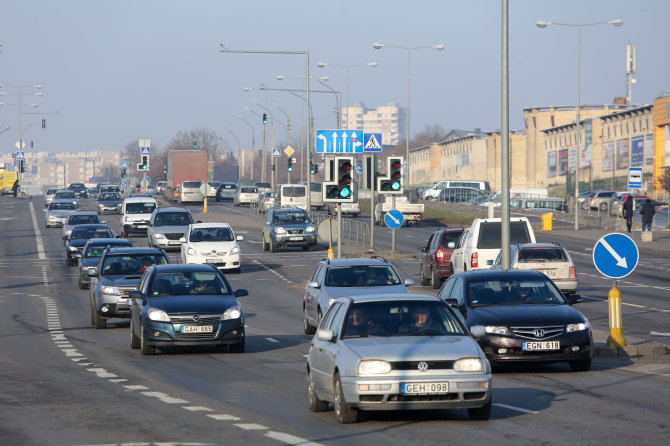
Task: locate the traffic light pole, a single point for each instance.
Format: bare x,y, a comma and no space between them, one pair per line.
393,230
339,230
372,218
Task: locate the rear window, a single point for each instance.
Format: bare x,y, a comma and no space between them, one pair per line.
263,185
249,190
450,237
191,184
140,208
542,255
293,192
489,234
228,186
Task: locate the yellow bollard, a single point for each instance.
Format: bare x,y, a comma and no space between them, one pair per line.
546,221
615,338
331,253
205,201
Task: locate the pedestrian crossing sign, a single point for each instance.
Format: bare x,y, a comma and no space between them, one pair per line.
372,142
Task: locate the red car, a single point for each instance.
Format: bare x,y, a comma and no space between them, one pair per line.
436,256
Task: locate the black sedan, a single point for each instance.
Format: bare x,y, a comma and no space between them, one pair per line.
525,316
109,203
185,305
78,238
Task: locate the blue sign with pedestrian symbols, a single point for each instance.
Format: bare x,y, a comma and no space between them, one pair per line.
394,219
372,142
615,255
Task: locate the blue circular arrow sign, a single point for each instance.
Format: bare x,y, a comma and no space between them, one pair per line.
394,219
615,255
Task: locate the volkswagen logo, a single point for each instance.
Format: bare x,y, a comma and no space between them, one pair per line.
539,333
423,366
196,317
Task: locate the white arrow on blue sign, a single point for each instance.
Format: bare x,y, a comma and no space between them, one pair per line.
147,179
124,185
339,141
615,255
394,219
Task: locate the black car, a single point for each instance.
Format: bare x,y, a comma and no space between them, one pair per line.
91,255
525,316
79,189
78,238
109,203
435,266
185,305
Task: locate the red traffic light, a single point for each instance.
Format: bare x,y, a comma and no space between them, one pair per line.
395,164
345,166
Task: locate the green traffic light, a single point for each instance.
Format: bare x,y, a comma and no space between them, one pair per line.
395,185
345,192
290,169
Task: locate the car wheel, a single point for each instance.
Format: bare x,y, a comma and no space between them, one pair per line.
134,340
237,348
98,321
265,245
306,247
92,312
424,281
82,285
145,348
273,247
583,365
343,412
435,281
313,247
308,328
480,413
603,206
315,404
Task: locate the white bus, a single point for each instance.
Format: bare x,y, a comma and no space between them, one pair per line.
292,196
433,193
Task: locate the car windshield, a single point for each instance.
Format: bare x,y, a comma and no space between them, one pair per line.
127,264
87,233
83,219
535,291
188,283
110,189
173,219
110,196
401,318
96,250
62,207
51,191
140,208
290,218
361,276
212,235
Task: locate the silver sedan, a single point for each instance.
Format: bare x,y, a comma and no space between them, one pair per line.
396,352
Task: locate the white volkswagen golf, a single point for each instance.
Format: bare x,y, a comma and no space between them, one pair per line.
213,243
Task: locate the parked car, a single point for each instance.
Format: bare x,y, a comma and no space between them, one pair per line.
79,189
552,259
435,266
58,212
245,195
109,203
525,317
167,227
288,228
584,199
91,255
226,191
347,277
79,218
186,305
601,199
212,243
79,236
266,201
419,356
617,205
120,272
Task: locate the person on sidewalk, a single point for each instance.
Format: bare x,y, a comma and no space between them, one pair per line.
627,211
15,187
648,210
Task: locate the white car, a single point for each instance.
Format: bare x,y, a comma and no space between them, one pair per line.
213,243
246,194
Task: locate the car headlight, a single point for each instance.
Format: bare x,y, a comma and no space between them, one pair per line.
309,228
190,251
68,232
88,268
235,250
156,314
280,230
158,236
72,248
570,328
110,290
373,367
469,365
497,330
127,219
232,313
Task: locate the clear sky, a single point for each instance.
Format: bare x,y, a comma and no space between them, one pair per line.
120,70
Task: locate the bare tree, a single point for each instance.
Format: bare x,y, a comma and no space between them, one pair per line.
201,139
664,180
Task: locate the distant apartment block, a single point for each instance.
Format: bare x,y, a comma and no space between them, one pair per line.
389,120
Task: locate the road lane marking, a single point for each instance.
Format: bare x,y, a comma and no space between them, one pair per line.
164,397
198,409
290,439
518,409
250,426
272,340
38,234
223,417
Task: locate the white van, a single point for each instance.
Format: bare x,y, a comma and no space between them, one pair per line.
292,196
433,193
191,192
528,192
135,214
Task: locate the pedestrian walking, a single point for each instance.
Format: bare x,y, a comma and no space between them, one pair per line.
627,211
15,187
648,210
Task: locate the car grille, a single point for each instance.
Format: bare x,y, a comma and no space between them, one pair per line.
173,236
414,365
125,292
538,332
189,318
294,231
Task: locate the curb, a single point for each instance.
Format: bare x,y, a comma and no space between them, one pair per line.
630,351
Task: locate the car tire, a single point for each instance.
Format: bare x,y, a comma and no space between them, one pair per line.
134,340
273,247
434,280
145,348
424,281
92,312
82,285
265,245
451,269
315,404
343,413
480,413
313,247
583,365
237,348
98,321
308,328
306,247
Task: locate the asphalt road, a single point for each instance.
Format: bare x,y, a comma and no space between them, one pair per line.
66,383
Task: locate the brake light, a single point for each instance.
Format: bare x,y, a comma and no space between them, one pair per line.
474,260
573,272
267,199
359,205
439,255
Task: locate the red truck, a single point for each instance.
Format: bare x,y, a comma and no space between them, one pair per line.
184,165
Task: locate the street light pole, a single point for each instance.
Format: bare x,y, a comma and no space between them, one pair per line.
273,175
579,26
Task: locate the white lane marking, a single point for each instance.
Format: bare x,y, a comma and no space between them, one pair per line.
135,387
627,282
655,333
250,426
290,439
518,409
223,417
251,241
164,397
102,373
38,234
276,273
272,340
198,409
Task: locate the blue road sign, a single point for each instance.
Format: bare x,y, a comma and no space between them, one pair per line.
124,185
20,155
147,179
372,142
124,164
339,141
276,152
145,150
615,255
394,219
634,177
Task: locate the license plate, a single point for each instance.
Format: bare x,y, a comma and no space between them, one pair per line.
173,242
215,260
541,345
548,272
424,388
197,329
142,226
295,238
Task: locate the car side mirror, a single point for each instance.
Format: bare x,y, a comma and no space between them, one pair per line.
574,299
451,245
478,331
239,238
325,335
408,281
65,237
313,284
136,294
241,292
91,272
452,302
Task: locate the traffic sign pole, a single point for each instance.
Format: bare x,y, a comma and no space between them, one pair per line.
616,338
393,230
339,230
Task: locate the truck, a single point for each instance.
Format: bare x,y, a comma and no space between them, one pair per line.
184,165
413,212
7,178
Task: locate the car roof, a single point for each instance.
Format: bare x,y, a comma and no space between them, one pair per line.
135,250
92,226
61,200
108,241
184,267
83,213
172,209
285,210
356,261
209,225
140,200
489,274
391,297
539,245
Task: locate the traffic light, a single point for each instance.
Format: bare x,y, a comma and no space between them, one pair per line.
195,145
290,164
265,118
392,183
314,168
341,188
124,172
144,165
22,166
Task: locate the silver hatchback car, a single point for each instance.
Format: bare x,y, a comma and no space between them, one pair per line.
396,352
